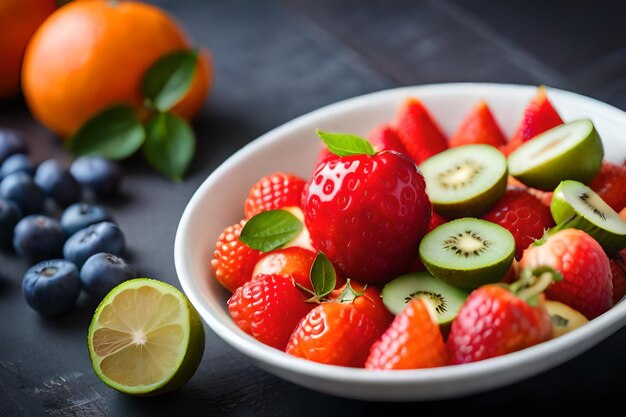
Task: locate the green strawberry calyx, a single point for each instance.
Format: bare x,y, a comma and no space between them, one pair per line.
533,282
346,144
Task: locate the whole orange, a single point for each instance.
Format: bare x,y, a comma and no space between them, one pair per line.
90,55
18,21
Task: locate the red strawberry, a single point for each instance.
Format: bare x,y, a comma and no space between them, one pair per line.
435,221
367,214
586,284
618,275
383,138
478,127
370,302
622,214
418,131
273,192
336,333
544,196
523,215
269,308
538,117
293,262
233,261
412,341
494,321
610,184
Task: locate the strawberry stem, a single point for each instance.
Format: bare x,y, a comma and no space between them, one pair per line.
533,282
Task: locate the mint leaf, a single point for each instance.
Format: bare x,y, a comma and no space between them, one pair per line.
344,144
169,79
114,133
323,277
270,230
170,144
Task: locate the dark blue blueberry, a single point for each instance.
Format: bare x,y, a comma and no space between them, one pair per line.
58,183
99,237
80,215
51,287
104,271
22,190
17,163
10,214
10,143
38,237
97,174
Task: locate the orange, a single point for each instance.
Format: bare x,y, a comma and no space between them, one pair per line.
18,21
90,55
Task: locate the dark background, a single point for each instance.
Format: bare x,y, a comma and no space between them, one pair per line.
274,61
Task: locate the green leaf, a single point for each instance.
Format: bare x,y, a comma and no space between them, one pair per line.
169,79
170,144
323,277
270,230
114,133
344,144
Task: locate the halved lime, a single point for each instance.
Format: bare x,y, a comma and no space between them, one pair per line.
145,338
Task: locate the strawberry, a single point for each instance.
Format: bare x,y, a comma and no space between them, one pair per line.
412,341
523,215
497,319
479,126
268,308
367,212
544,196
622,214
274,191
538,117
233,261
435,221
383,138
586,284
618,275
610,184
370,301
294,262
418,131
338,332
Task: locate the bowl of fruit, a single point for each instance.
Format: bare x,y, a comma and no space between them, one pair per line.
416,243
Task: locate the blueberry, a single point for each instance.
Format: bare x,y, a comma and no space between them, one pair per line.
10,143
99,237
37,238
102,272
51,287
10,214
22,190
80,215
100,175
17,163
58,183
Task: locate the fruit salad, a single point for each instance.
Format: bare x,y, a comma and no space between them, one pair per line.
411,250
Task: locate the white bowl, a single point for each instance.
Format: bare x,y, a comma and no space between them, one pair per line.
293,147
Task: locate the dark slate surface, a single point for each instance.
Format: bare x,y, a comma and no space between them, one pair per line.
275,61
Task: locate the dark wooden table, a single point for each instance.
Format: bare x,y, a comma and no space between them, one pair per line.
274,61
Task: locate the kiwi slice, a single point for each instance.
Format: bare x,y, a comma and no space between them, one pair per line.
577,206
465,180
572,151
564,318
468,253
445,299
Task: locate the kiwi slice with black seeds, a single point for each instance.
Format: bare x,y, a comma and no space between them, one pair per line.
572,151
564,318
445,299
574,205
465,180
467,253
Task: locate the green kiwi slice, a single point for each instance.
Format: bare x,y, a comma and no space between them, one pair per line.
465,180
445,299
468,253
577,206
572,151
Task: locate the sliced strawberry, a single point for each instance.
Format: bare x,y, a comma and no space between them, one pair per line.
610,184
538,117
479,127
273,192
293,262
419,132
412,341
233,261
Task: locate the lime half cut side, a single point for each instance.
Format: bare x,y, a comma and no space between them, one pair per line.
145,338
